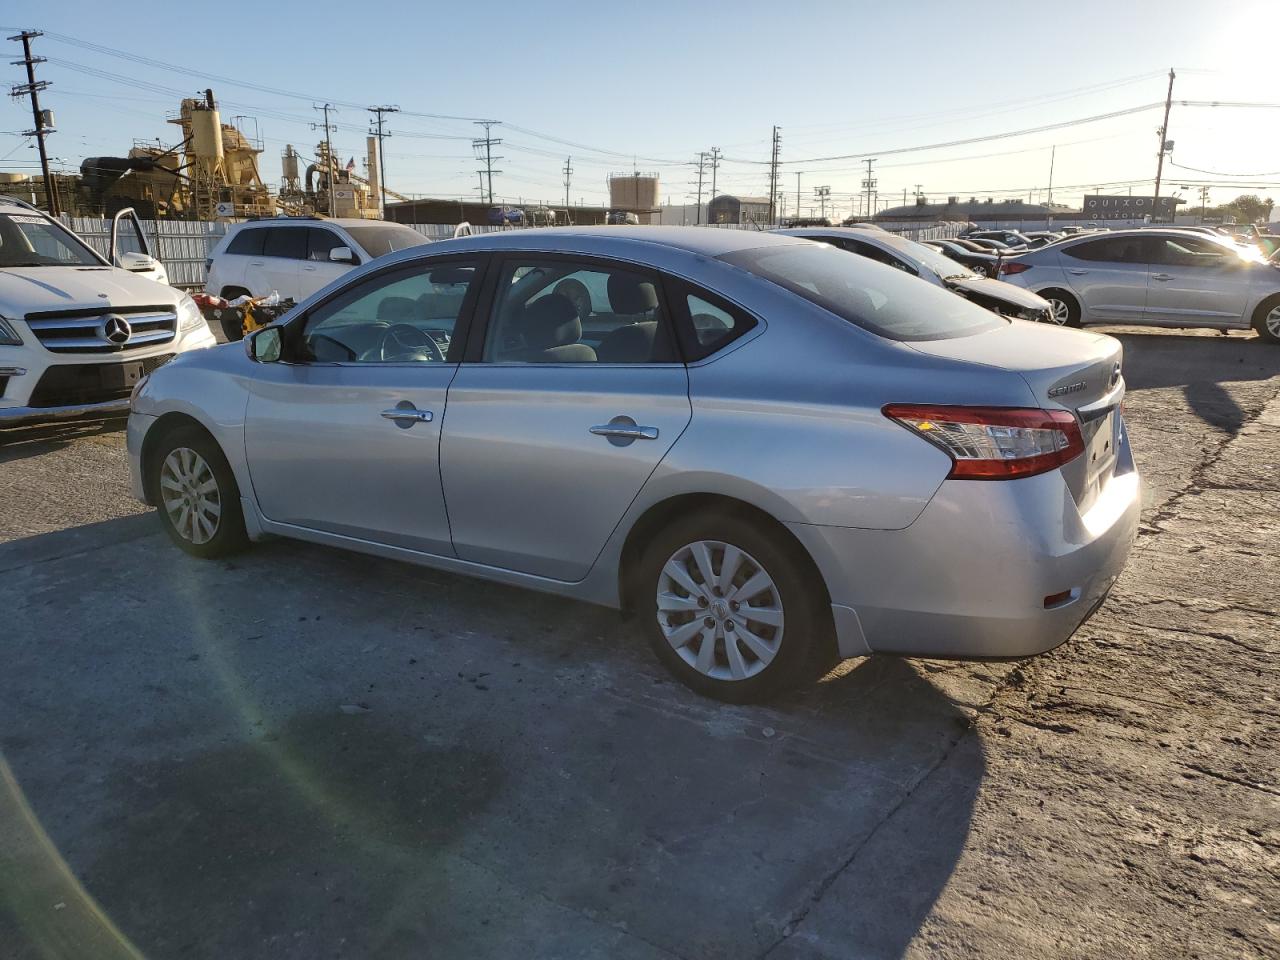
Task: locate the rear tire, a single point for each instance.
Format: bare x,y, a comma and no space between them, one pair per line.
1266,320
717,640
1064,309
196,494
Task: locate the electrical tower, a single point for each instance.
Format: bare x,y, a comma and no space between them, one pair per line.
382,153
568,177
488,143
331,173
773,177
43,118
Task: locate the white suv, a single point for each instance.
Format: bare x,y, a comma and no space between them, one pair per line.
296,256
76,332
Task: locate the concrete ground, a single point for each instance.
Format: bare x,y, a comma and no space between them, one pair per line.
305,753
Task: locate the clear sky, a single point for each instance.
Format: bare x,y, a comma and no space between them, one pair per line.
653,84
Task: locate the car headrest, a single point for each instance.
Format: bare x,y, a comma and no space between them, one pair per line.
448,276
550,321
397,309
629,294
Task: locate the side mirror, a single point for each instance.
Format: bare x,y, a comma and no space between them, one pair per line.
263,345
138,262
342,255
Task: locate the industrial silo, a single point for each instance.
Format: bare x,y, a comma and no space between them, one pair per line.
636,193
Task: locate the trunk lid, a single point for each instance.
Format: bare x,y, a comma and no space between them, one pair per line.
1065,370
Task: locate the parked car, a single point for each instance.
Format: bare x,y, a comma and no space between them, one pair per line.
935,479
806,222
1161,277
931,266
986,264
993,246
850,222
505,215
77,332
1009,238
1040,238
622,218
297,256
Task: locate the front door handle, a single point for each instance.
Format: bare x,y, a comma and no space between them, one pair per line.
309,269
625,430
1077,273
407,415
1162,276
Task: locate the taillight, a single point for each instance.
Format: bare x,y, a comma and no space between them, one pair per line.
1012,266
994,443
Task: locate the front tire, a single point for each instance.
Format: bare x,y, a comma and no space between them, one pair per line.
1064,309
196,495
1266,320
733,611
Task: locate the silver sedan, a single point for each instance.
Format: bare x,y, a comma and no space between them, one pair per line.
1159,277
773,452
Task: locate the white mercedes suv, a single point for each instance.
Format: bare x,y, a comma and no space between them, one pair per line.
76,332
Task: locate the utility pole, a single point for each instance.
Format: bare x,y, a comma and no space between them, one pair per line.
868,185
42,128
798,172
1204,202
1166,145
568,174
332,172
382,153
715,165
773,178
488,143
918,194
822,193
702,157
1053,153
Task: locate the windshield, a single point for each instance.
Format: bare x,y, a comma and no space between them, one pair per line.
385,238
934,260
873,296
33,240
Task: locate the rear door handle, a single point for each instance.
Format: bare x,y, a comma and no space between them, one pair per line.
1077,273
310,269
255,263
1162,276
625,431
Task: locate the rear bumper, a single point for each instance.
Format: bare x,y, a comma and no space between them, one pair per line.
970,577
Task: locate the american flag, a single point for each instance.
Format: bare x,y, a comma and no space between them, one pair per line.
351,164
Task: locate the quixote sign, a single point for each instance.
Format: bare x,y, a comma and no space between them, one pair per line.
1098,207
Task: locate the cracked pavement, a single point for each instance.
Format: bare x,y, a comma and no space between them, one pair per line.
303,753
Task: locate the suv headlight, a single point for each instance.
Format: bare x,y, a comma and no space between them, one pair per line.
8,336
189,315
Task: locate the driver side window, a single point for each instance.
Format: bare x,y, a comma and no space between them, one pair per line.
406,316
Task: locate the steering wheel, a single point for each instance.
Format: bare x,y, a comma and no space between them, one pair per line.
403,341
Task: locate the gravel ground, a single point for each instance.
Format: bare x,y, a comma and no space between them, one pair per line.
304,753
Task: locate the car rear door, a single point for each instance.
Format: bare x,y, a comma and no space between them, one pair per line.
1196,282
1108,276
343,436
283,250
556,420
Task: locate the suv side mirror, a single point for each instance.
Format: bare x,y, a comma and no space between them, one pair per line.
343,255
137,262
264,345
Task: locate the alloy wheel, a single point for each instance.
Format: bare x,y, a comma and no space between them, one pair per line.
190,494
720,610
1059,312
1272,322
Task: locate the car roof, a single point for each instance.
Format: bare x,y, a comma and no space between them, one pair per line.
705,241
881,238
343,222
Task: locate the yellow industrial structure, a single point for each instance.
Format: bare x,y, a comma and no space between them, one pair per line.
220,165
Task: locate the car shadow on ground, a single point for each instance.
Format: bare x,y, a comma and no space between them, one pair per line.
18,443
302,747
1199,365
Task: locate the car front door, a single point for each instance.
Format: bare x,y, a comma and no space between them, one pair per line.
1109,276
318,271
342,436
1195,282
561,412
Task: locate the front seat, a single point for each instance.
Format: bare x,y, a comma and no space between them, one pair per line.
551,329
398,310
631,296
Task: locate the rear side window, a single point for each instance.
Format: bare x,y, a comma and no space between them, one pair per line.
704,322
882,300
247,243
1110,250
287,242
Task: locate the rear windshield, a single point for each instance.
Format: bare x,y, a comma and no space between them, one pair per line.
882,299
385,238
